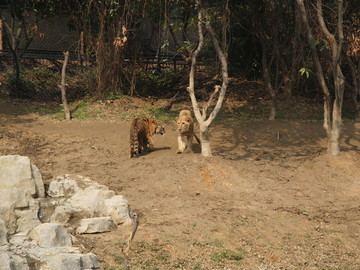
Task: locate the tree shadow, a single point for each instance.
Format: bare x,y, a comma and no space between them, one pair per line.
272,140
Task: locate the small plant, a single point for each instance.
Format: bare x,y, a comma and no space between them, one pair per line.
227,255
218,243
119,259
81,110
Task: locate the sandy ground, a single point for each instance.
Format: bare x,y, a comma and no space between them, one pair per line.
270,198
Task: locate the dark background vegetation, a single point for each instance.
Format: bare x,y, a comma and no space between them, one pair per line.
142,48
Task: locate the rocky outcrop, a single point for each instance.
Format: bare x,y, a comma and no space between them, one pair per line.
77,197
34,229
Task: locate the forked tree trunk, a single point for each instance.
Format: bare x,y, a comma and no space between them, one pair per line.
332,121
201,117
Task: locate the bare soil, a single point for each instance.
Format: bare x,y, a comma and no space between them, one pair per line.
270,198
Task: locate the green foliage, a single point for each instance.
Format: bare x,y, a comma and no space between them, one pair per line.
21,87
161,114
227,255
46,82
305,72
156,82
80,111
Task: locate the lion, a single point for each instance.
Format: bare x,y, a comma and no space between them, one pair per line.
185,129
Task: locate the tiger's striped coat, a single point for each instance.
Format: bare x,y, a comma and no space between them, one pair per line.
141,132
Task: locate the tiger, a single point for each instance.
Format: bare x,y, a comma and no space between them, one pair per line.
141,132
185,130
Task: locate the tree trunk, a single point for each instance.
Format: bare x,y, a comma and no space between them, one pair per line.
333,128
62,87
267,79
205,141
201,117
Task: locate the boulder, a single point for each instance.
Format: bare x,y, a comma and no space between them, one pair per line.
118,209
5,260
95,225
3,233
50,235
90,200
74,262
63,186
39,184
18,210
18,262
18,172
62,215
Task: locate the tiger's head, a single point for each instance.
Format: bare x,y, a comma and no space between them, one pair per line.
157,127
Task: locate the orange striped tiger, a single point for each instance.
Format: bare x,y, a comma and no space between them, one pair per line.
141,132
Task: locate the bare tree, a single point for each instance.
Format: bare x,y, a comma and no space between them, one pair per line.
332,112
63,86
20,35
201,116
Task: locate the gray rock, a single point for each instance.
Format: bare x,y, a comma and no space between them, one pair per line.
118,209
18,263
5,261
90,200
95,225
63,186
18,210
50,235
39,184
74,262
27,218
62,215
16,172
3,233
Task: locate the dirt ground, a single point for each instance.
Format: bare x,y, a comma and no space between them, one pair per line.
270,198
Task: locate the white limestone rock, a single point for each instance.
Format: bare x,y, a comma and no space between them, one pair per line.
90,200
18,172
18,262
95,225
63,186
118,209
74,262
39,184
5,261
3,233
27,218
62,215
50,235
18,210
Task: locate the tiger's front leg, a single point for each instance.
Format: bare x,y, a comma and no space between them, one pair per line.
149,144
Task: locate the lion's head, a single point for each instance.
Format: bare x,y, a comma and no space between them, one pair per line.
184,124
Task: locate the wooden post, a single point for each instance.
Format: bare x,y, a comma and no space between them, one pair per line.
62,87
1,36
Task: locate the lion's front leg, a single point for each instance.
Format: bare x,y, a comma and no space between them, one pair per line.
181,144
189,140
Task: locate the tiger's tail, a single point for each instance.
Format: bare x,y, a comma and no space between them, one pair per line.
135,148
